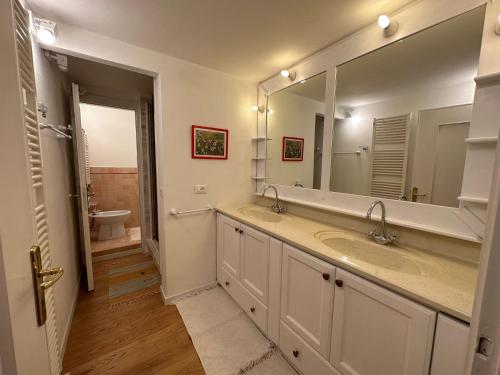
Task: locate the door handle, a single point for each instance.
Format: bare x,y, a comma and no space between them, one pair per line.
415,194
40,284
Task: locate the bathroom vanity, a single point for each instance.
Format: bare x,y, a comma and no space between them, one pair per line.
337,303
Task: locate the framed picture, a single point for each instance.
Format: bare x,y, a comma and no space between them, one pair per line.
293,149
209,143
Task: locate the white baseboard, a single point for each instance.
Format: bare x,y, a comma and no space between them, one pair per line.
167,300
67,329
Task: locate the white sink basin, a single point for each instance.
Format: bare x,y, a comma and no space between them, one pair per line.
359,250
261,214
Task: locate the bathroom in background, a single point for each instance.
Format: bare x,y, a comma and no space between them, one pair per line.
112,177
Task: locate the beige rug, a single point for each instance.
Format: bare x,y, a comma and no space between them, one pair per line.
225,338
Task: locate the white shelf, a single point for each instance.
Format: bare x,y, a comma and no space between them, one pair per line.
261,139
260,178
481,140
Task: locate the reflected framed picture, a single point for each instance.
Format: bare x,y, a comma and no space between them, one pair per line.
208,142
293,149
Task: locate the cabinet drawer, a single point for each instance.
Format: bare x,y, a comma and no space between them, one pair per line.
251,305
301,355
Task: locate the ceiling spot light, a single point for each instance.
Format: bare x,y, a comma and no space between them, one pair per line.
257,108
387,25
287,74
45,30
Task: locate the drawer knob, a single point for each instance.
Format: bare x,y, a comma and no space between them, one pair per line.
241,231
227,283
326,276
252,309
339,283
295,353
236,229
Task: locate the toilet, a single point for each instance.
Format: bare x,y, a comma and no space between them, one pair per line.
111,223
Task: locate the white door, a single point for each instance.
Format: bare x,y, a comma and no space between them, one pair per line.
81,184
27,347
255,262
378,332
439,156
307,297
230,245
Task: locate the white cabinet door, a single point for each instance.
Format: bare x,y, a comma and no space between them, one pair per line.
230,245
307,297
378,332
255,262
450,346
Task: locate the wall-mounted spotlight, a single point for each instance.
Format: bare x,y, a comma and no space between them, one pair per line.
46,30
258,108
497,25
287,74
387,25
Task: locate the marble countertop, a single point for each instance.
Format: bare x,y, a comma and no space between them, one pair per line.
442,283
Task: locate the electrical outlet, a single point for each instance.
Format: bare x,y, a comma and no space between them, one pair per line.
200,189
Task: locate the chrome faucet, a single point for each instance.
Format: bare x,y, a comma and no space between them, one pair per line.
277,206
379,235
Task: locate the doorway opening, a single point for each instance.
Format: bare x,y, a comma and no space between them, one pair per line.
115,165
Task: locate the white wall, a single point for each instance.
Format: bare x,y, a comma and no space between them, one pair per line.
185,94
59,183
111,136
293,116
350,174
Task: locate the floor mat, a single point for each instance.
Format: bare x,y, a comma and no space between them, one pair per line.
133,278
227,341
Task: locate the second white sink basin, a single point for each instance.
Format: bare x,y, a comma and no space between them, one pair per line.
261,214
358,250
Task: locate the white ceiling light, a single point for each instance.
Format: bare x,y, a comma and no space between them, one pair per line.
384,21
389,26
45,30
287,74
257,108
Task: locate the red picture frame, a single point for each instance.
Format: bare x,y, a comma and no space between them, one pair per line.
292,149
206,142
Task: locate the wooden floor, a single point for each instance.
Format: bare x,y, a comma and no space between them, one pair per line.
131,334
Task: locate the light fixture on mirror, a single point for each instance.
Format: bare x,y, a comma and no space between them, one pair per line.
258,108
387,25
287,74
45,30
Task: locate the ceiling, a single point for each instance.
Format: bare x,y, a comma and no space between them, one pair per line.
92,75
250,39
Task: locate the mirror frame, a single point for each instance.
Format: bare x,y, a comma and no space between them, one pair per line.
459,222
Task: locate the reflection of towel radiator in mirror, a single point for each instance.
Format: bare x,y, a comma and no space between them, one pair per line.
389,157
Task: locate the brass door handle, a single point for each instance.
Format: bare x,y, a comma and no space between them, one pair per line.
56,272
40,285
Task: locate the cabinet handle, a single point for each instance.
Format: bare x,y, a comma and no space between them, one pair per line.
295,353
339,283
326,276
241,231
252,309
227,283
236,229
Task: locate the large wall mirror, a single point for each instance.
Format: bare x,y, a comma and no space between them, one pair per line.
295,124
402,114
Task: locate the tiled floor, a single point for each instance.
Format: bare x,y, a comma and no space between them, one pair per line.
132,240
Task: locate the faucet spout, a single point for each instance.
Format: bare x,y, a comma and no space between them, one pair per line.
277,206
379,235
